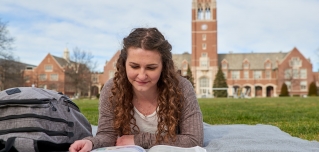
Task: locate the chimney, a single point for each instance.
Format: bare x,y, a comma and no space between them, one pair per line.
66,55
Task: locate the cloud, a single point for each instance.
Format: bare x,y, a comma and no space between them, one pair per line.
269,26
99,26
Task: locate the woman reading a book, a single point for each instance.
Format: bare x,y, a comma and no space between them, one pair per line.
147,102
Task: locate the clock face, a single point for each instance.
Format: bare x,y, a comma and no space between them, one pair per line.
204,27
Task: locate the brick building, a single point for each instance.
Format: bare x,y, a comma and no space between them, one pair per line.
250,74
108,72
50,74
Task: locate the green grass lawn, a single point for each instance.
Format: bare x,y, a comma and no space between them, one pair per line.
297,116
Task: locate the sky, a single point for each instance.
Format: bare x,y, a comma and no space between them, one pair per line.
41,27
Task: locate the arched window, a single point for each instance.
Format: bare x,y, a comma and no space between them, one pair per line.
207,13
200,14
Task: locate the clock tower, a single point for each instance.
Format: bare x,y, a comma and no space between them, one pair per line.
204,46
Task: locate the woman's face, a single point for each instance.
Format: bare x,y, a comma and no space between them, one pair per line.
143,68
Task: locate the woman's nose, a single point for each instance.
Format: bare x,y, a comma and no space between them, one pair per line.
142,75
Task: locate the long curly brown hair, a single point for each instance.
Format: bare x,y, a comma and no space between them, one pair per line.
170,97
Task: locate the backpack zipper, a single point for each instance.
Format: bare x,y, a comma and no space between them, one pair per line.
30,115
25,101
68,101
37,129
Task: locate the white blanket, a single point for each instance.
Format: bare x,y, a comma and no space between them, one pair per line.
261,138
251,138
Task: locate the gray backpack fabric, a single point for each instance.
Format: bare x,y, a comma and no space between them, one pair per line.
36,120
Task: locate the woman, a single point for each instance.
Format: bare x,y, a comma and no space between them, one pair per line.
147,102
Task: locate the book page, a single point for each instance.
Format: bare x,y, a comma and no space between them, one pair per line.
166,148
129,148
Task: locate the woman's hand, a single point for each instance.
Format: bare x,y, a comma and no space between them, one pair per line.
125,140
81,146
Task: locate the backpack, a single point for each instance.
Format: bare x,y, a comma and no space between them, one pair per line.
35,120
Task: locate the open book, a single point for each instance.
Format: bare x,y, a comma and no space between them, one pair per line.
157,148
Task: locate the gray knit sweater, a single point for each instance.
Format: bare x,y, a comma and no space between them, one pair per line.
191,124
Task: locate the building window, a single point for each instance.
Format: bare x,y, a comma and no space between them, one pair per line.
288,74
200,14
246,65
48,68
257,74
235,74
303,73
246,74
204,60
295,62
28,68
268,74
111,74
268,65
42,77
288,83
303,85
203,82
54,77
204,37
204,86
204,54
203,63
204,46
295,73
224,66
207,13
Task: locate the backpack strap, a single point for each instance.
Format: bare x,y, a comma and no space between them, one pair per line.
9,145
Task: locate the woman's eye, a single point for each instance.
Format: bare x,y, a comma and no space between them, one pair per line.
151,68
134,67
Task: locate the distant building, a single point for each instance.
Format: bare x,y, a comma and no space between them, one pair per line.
251,74
50,74
204,46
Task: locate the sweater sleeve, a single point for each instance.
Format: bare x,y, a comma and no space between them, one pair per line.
191,124
106,135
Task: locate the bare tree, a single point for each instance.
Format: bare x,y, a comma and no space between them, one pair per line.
10,70
5,41
79,71
11,74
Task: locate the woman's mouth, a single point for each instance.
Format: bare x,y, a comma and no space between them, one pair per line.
141,82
